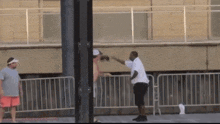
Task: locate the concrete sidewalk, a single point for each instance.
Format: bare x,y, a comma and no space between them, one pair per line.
187,118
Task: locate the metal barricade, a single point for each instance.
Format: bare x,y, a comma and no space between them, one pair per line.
58,93
117,92
46,94
192,89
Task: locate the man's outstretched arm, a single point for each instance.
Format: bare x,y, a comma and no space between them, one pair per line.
119,60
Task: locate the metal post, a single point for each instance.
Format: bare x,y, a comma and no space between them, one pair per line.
132,23
185,24
27,26
83,27
67,22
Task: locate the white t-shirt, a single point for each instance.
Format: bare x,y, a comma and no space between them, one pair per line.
137,65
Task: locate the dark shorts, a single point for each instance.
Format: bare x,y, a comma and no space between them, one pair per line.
140,89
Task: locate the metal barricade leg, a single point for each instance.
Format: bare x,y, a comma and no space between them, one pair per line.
156,96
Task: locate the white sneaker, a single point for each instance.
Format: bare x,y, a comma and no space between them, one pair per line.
97,120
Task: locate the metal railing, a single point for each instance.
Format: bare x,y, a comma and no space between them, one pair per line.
42,25
117,92
192,89
47,94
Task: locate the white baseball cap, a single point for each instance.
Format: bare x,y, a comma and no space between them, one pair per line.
96,52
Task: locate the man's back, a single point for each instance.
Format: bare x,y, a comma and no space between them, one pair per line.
138,66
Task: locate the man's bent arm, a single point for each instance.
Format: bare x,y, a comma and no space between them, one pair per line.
0,85
134,75
1,90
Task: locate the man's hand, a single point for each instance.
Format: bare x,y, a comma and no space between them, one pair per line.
104,57
104,74
21,93
101,74
20,89
107,74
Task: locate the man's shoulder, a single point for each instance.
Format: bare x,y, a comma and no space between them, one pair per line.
8,70
138,60
128,62
4,69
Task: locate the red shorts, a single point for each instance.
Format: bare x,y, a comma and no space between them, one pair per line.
8,101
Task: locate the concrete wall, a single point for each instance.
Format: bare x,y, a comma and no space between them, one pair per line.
154,58
159,58
213,57
39,60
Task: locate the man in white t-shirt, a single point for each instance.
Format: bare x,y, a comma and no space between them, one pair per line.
139,80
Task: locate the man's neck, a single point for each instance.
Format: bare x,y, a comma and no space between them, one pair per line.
11,67
134,59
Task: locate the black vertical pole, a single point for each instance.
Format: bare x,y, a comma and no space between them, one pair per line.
83,61
76,61
77,45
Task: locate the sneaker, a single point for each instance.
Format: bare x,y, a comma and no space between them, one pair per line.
142,118
139,116
145,118
97,120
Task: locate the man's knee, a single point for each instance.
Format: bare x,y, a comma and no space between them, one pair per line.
13,107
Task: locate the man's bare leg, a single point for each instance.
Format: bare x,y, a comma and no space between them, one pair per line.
2,111
13,113
139,109
94,104
143,111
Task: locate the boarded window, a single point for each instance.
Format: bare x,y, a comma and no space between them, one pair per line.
112,27
117,27
106,27
141,27
52,27
215,19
